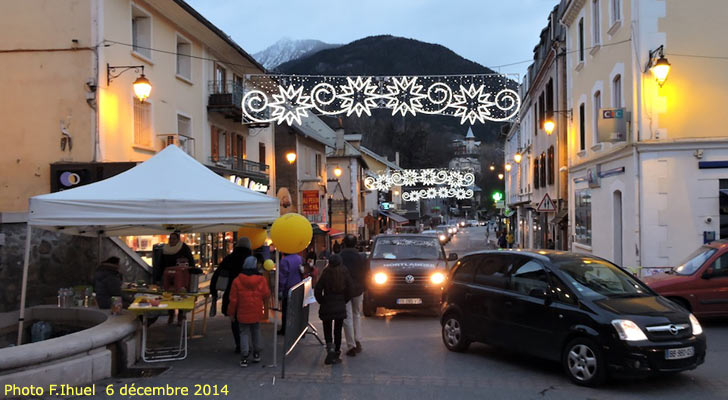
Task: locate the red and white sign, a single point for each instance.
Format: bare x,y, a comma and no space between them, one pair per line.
546,204
310,202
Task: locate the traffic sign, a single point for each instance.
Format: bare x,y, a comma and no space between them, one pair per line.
546,205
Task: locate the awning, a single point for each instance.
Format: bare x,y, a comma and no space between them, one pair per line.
561,216
398,219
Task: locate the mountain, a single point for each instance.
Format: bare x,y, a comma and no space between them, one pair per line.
286,49
422,140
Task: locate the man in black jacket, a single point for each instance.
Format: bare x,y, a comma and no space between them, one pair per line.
359,271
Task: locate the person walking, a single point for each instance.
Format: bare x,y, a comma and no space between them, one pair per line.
332,292
290,274
107,282
358,271
502,242
222,279
248,293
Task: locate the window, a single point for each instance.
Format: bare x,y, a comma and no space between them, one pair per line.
224,144
184,133
723,207
561,291
616,10
541,109
464,270
536,174
141,32
214,143
529,279
550,99
220,79
617,91
143,123
543,170
492,270
184,62
582,217
550,170
597,107
581,39
535,119
720,266
237,82
319,165
261,155
240,146
582,128
595,22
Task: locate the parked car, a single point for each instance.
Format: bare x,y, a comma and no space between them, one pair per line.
700,283
582,311
407,271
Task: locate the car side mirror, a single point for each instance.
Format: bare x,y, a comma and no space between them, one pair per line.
708,273
452,257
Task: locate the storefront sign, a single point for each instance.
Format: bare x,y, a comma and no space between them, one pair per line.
310,202
249,183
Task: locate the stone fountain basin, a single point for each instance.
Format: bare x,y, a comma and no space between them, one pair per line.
78,358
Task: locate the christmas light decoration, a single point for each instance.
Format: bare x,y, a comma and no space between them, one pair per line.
289,98
445,183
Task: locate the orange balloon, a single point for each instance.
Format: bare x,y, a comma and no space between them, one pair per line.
257,236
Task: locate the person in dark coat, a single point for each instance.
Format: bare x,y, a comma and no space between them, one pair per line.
174,250
230,267
358,271
333,291
107,282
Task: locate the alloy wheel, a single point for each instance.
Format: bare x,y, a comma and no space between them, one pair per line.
453,333
582,362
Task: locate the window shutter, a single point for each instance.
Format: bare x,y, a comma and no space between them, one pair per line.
214,148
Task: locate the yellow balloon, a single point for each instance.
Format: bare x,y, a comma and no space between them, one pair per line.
291,233
257,236
269,265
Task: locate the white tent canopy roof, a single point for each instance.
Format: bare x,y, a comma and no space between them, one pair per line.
169,191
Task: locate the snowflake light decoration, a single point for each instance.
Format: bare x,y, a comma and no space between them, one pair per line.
358,96
290,105
444,183
404,95
442,192
472,104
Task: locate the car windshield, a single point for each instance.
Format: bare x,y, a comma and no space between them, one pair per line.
407,248
694,261
597,279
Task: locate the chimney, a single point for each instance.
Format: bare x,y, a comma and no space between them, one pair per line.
339,138
396,158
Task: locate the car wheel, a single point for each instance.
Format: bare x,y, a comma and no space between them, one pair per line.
584,363
453,335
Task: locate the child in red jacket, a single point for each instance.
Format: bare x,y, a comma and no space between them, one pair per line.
248,293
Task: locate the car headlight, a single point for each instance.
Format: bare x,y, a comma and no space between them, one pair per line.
437,278
442,238
380,278
697,329
628,330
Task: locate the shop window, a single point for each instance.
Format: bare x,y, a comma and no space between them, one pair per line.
142,123
141,32
582,217
184,61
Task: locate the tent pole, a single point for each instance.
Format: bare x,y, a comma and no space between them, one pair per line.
277,306
24,289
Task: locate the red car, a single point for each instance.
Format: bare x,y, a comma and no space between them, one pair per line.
700,283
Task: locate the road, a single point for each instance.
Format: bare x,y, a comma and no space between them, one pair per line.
404,358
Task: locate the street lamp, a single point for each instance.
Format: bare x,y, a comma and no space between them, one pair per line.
660,68
508,167
291,157
492,167
500,176
337,172
142,86
549,126
517,157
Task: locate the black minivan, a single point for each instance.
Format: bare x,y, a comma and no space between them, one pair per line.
581,310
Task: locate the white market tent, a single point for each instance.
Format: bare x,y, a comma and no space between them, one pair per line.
169,191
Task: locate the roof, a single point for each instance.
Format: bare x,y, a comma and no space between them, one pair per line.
314,128
219,33
379,158
348,151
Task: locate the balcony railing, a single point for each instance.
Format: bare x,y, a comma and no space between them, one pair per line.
226,98
242,166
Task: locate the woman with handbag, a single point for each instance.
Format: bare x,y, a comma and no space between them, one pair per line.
222,279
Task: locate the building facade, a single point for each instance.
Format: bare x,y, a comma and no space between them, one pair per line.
647,159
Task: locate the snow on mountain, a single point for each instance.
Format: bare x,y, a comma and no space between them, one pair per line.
286,50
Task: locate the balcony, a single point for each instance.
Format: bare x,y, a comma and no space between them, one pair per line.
241,166
226,98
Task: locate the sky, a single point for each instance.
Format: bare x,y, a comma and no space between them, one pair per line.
489,32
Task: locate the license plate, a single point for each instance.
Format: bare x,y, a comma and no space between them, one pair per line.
677,354
409,301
